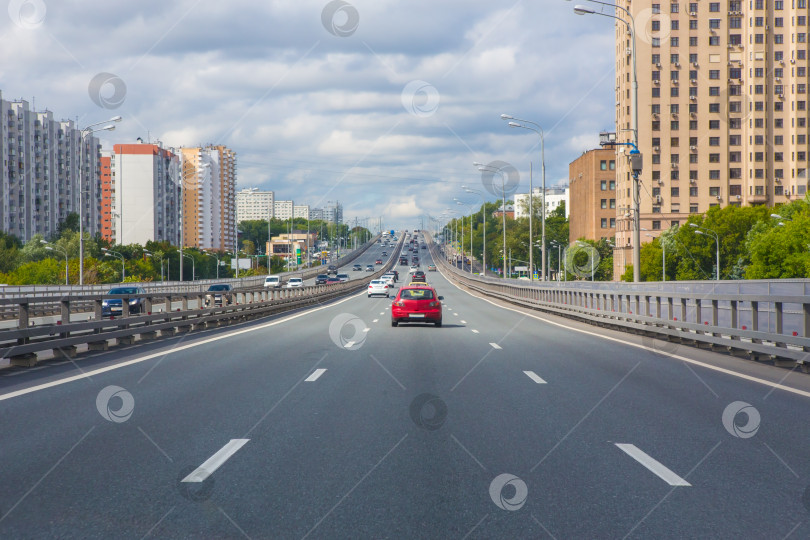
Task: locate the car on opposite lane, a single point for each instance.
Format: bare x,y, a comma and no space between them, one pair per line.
333,280
321,279
272,282
357,268
417,304
331,270
114,306
219,294
295,282
369,268
343,277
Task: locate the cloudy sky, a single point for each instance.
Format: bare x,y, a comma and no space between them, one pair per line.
383,105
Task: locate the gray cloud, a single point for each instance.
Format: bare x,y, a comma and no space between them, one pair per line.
311,113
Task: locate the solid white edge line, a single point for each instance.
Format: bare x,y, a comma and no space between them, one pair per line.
644,347
216,461
495,345
653,465
535,377
315,375
90,374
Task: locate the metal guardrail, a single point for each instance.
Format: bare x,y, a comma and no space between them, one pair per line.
22,344
8,310
762,320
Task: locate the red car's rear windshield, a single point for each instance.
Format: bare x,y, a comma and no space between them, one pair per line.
416,294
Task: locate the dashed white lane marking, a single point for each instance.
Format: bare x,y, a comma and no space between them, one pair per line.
366,329
463,321
455,314
621,341
349,344
382,313
653,465
315,374
535,377
215,462
495,346
475,331
375,320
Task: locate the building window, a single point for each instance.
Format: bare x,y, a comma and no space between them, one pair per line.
714,7
613,223
714,90
693,209
603,204
734,189
714,41
714,124
612,164
603,165
714,191
673,42
603,185
613,203
674,192
673,7
613,185
714,174
714,73
714,23
693,191
604,223
714,141
714,158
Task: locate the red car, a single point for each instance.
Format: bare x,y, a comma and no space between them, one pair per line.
417,304
378,261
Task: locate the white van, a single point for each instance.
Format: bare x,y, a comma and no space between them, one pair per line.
272,282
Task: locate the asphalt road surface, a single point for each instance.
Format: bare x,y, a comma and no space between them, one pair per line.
329,423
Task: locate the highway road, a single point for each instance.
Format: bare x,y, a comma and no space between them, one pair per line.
330,423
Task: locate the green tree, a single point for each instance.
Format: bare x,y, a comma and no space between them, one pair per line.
69,224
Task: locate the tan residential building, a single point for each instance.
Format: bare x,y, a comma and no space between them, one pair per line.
592,195
722,105
209,192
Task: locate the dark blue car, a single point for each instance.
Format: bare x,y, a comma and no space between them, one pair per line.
113,306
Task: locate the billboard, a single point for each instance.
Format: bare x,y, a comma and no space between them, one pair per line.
244,264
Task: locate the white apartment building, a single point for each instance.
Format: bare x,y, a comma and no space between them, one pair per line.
252,204
333,212
283,210
316,214
145,202
301,211
554,197
41,180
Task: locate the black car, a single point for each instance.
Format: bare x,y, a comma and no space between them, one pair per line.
331,270
321,279
419,276
219,294
403,261
114,306
424,246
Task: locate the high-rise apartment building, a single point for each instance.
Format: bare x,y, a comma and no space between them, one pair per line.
592,181
208,177
283,210
107,192
48,169
722,105
145,193
316,214
333,212
301,211
252,204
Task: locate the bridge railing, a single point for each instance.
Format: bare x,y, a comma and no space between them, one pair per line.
762,319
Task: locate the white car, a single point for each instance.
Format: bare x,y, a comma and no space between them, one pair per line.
389,279
272,282
295,282
378,286
414,268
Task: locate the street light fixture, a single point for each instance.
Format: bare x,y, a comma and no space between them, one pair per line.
704,231
484,219
635,156
482,167
89,130
110,253
193,270
539,130
63,252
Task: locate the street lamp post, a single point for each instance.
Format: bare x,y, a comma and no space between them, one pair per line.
482,167
110,253
193,270
631,25
152,255
63,252
484,219
539,131
216,256
704,231
89,130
